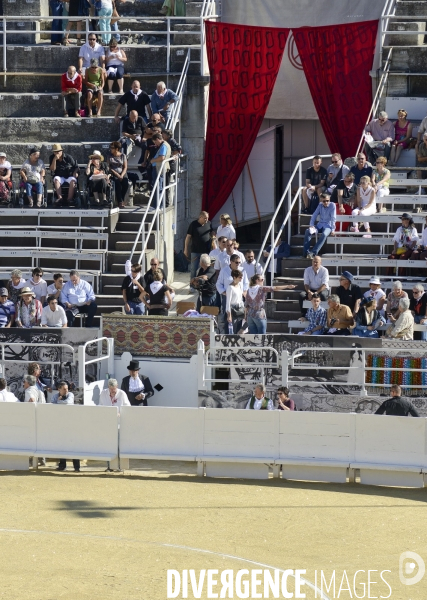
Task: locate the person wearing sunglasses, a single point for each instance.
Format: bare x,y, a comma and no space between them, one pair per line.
91,49
418,306
362,169
133,290
337,170
323,221
382,130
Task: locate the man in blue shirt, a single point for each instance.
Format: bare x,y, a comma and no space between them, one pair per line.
163,153
327,214
7,309
362,168
78,297
162,99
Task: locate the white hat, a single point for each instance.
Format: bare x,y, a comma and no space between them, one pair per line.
375,280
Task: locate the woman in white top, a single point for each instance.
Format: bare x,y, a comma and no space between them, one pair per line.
115,59
234,306
365,202
381,181
421,252
376,293
38,285
226,227
405,239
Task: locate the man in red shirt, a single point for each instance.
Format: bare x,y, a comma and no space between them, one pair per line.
71,89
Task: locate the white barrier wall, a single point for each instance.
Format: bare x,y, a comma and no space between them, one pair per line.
17,434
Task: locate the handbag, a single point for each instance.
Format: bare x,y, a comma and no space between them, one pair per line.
237,311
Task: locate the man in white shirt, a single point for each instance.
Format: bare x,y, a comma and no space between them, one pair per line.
230,250
218,252
225,278
6,396
89,50
112,396
316,279
259,401
53,315
251,267
32,394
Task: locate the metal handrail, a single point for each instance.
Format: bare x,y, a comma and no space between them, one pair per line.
176,107
389,7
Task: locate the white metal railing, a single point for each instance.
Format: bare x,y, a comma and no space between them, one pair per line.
175,112
388,11
82,362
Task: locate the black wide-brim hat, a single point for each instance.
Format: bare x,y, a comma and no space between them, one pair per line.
133,365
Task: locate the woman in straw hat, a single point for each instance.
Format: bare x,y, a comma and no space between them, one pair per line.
28,309
98,175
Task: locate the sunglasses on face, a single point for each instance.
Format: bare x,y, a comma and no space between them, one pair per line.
335,162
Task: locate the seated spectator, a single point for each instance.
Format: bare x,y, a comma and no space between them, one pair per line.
382,130
375,293
381,180
283,400
78,298
112,396
65,170
255,302
15,285
217,253
7,310
32,394
94,82
98,176
135,99
393,299
365,203
344,196
5,178
160,299
226,227
325,226
154,124
348,292
115,59
316,317
368,319
251,266
71,90
5,395
91,49
402,327
259,401
63,395
33,173
340,317
362,169
418,306
225,278
162,99
117,165
421,150
38,285
402,135
421,251
315,179
55,288
198,236
137,387
28,309
281,250
133,130
336,173
133,291
405,239
53,315
396,405
205,283
316,279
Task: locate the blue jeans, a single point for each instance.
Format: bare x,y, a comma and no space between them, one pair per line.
257,325
30,187
195,264
136,308
115,27
365,332
417,320
206,301
56,8
104,24
323,234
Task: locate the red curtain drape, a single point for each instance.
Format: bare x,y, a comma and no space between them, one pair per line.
336,61
243,62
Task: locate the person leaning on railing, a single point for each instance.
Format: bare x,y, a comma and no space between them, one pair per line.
161,100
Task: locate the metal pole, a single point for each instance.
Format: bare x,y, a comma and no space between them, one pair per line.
81,369
4,52
272,261
290,220
168,38
202,46
285,368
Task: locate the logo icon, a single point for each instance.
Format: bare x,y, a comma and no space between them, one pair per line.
408,563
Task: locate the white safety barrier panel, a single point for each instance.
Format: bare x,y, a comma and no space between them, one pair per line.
86,432
17,434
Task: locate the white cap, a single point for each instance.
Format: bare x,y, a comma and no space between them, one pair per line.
375,280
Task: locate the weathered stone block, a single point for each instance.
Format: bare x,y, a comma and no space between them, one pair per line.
25,8
33,130
406,40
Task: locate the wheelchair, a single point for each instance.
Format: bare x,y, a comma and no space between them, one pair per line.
21,199
76,202
89,200
10,194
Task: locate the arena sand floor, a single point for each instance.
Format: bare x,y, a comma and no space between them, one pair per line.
97,535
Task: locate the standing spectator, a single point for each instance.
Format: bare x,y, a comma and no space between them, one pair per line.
281,250
78,298
53,315
174,8
149,275
63,396
396,405
365,203
230,250
361,169
326,213
7,310
65,170
38,285
33,173
115,59
218,252
77,8
135,99
162,156
368,319
94,82
133,128
199,235
382,130
15,285
348,292
315,179
403,133
405,239
91,49
255,302
105,12
28,309
393,299
5,395
176,150
375,293
117,164
226,227
41,383
133,291
381,180
205,283
344,196
337,170
283,400
421,252
259,401
234,307
150,153
162,99
32,393
316,279
418,306
71,90
340,318
159,294
316,317
251,266
56,8
113,396
225,278
137,387
5,178
55,288
402,327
